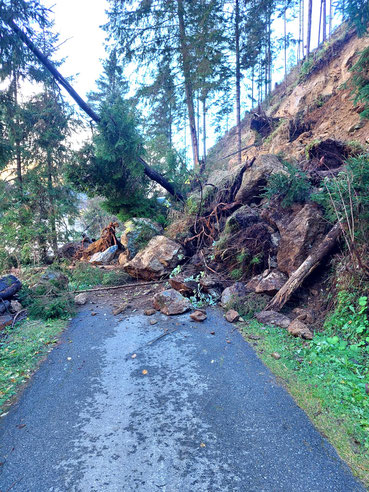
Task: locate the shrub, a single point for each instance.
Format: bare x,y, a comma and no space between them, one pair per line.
292,186
360,81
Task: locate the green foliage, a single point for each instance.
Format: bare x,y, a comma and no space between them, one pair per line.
236,274
346,198
291,186
21,349
85,276
48,298
360,81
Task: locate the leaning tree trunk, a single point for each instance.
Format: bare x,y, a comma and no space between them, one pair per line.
299,275
149,171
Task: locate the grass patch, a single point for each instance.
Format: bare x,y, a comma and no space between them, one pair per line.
21,350
85,276
327,379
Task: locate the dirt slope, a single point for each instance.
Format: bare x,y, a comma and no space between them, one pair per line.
321,101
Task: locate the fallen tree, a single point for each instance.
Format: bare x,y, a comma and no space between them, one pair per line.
299,275
148,170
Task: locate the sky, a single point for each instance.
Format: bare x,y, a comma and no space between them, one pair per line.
78,23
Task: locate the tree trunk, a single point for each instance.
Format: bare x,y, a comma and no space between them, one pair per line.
150,172
299,275
320,20
238,81
285,42
186,66
52,217
310,15
324,21
18,155
204,130
303,28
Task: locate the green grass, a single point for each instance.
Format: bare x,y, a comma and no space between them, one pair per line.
327,378
21,350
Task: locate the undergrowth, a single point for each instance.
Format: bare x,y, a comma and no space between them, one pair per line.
292,185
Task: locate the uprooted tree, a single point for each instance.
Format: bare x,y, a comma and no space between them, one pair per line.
105,123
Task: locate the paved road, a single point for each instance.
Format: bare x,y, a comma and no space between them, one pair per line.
207,416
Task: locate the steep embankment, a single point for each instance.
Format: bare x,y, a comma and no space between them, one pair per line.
315,103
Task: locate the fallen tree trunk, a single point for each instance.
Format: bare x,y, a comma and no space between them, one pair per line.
148,170
299,275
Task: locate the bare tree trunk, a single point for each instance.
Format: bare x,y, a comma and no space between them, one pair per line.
299,275
330,17
204,130
188,83
238,81
303,28
52,216
324,21
18,154
310,15
320,20
285,42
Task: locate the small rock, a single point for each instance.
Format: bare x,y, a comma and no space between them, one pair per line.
149,312
253,337
198,316
232,316
212,333
81,299
273,318
304,315
298,329
16,306
93,313
153,321
276,355
171,302
121,309
5,320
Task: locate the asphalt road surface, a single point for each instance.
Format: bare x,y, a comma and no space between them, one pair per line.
188,412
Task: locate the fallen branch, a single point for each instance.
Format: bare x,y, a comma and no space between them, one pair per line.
23,311
299,275
123,286
162,336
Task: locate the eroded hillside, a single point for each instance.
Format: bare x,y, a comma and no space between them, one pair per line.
316,103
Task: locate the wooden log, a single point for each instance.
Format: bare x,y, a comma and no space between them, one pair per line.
299,275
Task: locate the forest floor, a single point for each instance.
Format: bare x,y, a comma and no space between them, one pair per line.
125,404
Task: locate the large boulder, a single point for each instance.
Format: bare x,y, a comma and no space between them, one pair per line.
269,282
9,286
242,218
234,293
158,259
104,257
273,318
256,177
299,236
137,233
171,302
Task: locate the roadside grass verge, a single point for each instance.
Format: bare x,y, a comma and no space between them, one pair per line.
328,381
21,350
